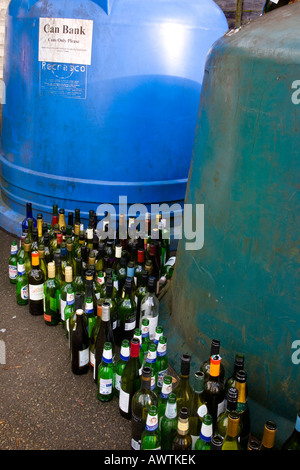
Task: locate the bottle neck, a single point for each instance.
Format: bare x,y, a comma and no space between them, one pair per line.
233,427
183,426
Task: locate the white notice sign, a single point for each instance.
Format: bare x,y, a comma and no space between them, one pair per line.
67,41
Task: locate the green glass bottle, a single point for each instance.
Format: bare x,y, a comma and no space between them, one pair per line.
151,439
169,422
79,281
150,307
27,256
138,270
120,365
43,260
269,434
138,334
106,374
127,312
231,405
243,407
108,297
182,440
204,440
69,309
231,441
22,284
68,283
36,281
293,441
213,390
162,362
140,293
90,302
141,402
20,254
239,362
151,361
198,408
104,335
163,396
130,380
72,320
12,263
80,346
145,339
93,338
158,333
51,307
184,391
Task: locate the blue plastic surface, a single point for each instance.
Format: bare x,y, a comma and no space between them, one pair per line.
123,125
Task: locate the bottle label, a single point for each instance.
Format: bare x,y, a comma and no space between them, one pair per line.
105,386
183,426
151,422
171,410
83,357
153,321
89,307
151,357
92,359
136,445
202,411
160,380
63,304
21,269
24,292
166,389
114,324
206,432
161,349
13,249
12,271
221,407
130,324
70,299
124,398
100,280
118,382
47,318
36,292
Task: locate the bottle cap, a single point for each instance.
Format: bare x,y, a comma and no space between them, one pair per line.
79,311
51,269
68,273
214,368
141,256
135,347
241,376
35,260
106,311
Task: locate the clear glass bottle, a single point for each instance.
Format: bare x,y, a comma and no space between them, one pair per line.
231,441
182,440
150,307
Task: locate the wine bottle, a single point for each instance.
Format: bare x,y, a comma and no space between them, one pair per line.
29,215
36,281
158,333
145,339
231,441
167,271
169,422
39,225
89,302
12,263
79,282
54,220
239,362
138,335
182,440
22,284
72,320
253,444
231,405
61,219
43,266
51,307
141,402
213,390
80,346
140,293
68,283
198,408
150,439
151,361
268,440
130,380
184,392
27,256
163,396
69,310
162,362
293,441
243,408
214,350
121,363
204,440
104,335
105,374
216,442
127,313
150,307
138,270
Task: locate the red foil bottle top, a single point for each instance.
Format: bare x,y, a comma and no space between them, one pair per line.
135,347
140,256
152,250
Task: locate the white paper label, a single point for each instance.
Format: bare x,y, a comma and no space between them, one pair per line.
65,40
36,292
83,357
124,401
105,386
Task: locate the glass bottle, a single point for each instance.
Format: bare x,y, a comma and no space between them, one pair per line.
104,335
68,283
58,277
43,265
80,346
155,265
47,248
216,442
271,5
61,219
150,439
70,261
163,396
167,271
182,439
138,334
105,374
130,380
69,309
231,405
231,441
72,319
293,441
214,350
253,444
141,402
243,408
184,392
198,408
268,440
120,365
162,362
168,423
158,333
51,307
127,313
204,440
150,307
140,293
89,302
22,284
39,225
27,256
213,390
29,215
36,281
151,361
79,282
239,362
145,339
138,270
12,263
54,220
